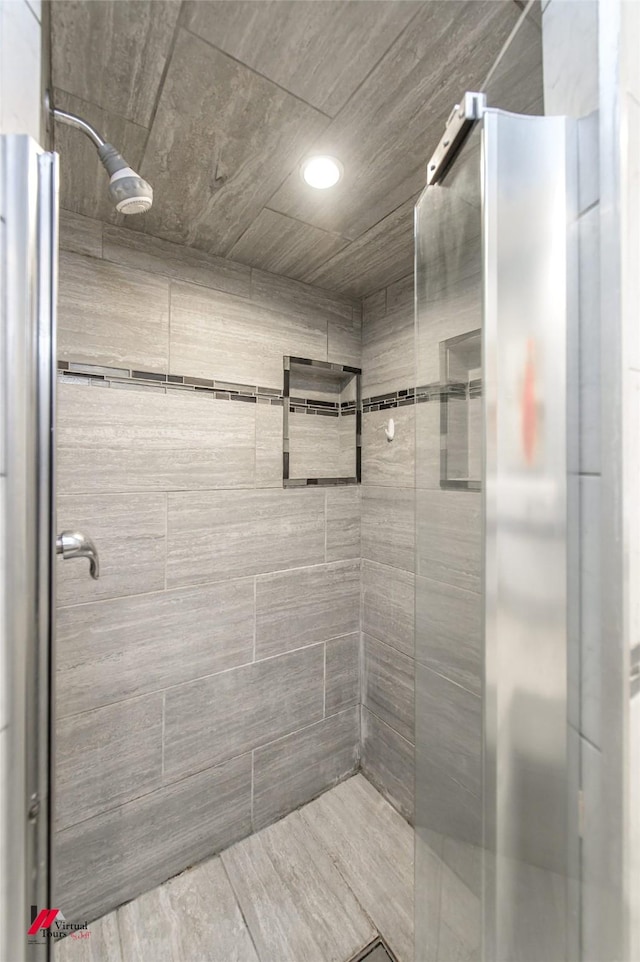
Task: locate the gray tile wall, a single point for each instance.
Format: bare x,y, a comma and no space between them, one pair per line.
209,682
388,548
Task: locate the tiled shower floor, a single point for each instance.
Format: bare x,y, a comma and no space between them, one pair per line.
318,886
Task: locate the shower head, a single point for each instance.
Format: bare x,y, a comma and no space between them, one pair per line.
129,193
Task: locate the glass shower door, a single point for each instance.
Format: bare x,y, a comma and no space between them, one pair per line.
496,780
449,651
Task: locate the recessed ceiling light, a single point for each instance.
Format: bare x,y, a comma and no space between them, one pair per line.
321,171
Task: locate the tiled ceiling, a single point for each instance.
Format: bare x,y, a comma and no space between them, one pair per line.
217,103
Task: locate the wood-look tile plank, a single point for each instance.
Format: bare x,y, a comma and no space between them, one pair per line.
112,315
112,441
293,770
143,252
123,526
193,917
388,686
236,711
305,606
219,535
111,650
346,821
319,51
121,751
113,53
275,242
296,903
250,131
139,845
102,945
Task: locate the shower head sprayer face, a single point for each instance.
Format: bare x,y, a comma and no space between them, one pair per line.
129,193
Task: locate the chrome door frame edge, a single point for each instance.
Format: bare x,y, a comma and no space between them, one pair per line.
29,185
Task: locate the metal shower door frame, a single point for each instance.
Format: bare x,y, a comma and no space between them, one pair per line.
29,187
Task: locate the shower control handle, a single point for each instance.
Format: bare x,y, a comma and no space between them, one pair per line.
74,544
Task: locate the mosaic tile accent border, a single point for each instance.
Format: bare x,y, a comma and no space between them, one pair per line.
221,390
418,395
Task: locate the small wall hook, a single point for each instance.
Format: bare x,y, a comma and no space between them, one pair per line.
390,429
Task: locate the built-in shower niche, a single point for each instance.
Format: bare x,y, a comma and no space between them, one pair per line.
321,423
461,411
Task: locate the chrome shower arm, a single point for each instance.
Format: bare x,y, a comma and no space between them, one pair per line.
78,122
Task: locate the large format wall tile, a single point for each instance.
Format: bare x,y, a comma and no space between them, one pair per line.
450,726
132,249
107,757
143,843
388,526
195,914
388,605
442,804
117,649
291,771
116,441
388,684
129,532
343,523
388,343
112,315
306,605
342,673
268,446
388,762
449,632
216,335
449,537
315,446
389,462
213,536
232,712
288,862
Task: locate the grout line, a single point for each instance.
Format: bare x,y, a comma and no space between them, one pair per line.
198,678
255,616
240,909
164,703
257,73
166,540
324,681
208,584
253,762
